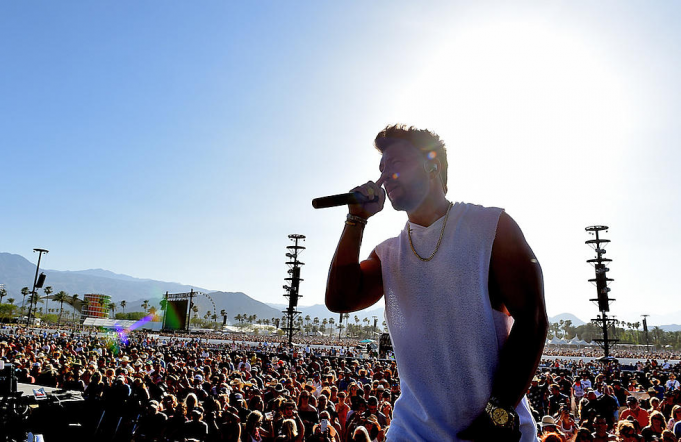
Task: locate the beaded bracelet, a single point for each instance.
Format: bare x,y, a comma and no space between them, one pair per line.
353,220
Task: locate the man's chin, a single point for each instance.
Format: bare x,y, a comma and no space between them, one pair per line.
401,205
397,205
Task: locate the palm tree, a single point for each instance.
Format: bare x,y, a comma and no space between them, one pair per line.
61,297
331,322
48,292
112,309
3,293
123,304
11,302
73,301
24,291
145,305
238,318
152,311
34,299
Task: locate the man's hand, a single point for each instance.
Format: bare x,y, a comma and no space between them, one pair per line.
375,196
483,430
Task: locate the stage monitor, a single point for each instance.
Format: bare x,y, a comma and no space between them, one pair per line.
8,379
385,345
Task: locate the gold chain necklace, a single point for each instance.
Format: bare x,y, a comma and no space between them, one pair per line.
439,241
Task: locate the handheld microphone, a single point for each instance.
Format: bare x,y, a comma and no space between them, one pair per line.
342,199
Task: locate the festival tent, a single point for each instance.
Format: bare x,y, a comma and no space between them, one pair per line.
557,341
107,323
577,342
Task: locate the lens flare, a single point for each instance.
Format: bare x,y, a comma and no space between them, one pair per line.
432,154
140,323
112,342
395,175
120,336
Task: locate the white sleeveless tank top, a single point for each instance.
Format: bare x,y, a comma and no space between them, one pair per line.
445,334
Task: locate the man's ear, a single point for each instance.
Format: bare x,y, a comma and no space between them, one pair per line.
432,166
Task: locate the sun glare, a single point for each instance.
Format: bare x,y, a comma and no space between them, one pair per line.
519,91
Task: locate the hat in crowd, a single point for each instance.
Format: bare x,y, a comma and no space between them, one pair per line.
631,399
198,377
547,421
279,388
125,358
535,379
238,396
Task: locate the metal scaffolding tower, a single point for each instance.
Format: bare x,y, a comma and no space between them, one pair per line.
292,286
601,281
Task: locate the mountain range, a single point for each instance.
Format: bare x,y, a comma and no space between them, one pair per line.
17,272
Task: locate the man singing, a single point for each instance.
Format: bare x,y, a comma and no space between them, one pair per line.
464,299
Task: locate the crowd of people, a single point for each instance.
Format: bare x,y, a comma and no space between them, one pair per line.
578,400
596,351
152,388
163,388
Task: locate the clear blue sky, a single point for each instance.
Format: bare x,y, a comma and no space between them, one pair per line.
183,141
